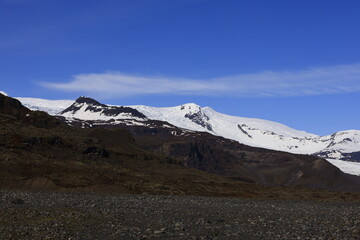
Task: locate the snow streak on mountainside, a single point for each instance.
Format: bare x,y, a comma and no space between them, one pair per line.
52,107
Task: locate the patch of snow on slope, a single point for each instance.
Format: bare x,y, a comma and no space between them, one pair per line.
3,93
352,168
262,133
52,107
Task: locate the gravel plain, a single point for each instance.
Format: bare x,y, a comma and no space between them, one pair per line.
44,215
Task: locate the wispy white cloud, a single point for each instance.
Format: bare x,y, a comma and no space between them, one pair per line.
312,81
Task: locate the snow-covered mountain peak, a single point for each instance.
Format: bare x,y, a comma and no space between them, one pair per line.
88,100
86,108
190,107
83,104
251,131
189,116
344,141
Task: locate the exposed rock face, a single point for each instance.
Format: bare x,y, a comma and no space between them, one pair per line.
92,106
334,154
199,118
243,131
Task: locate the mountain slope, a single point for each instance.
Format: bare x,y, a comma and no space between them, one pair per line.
249,131
60,157
52,107
253,132
207,152
256,132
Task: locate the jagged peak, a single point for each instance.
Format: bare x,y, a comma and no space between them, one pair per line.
88,100
90,106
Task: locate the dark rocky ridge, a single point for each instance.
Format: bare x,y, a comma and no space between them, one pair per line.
244,132
95,106
88,100
200,119
12,108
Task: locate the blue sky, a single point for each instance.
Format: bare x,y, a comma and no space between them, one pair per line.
295,62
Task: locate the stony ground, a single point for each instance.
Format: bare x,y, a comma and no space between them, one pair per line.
30,215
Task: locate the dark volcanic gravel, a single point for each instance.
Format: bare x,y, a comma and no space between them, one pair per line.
28,215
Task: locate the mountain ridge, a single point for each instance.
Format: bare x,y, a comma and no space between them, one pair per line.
86,148
343,145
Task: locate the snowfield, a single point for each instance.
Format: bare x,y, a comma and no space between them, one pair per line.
53,107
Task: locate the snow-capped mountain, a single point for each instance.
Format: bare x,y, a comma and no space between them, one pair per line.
89,109
256,132
250,131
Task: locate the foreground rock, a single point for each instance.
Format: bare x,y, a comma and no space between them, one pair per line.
29,215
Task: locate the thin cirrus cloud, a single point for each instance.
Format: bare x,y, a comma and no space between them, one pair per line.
312,81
